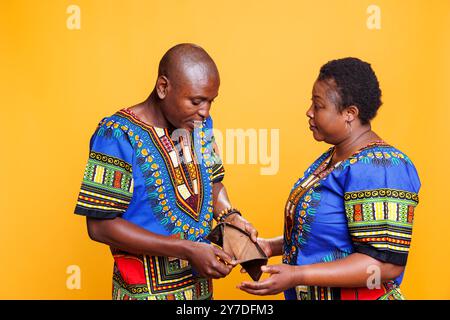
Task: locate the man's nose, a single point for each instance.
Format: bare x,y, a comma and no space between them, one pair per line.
204,110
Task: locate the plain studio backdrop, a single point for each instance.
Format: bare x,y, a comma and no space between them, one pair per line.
67,64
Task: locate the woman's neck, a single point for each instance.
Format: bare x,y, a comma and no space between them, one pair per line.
355,141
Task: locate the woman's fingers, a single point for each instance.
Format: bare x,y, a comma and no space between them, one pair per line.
252,231
255,292
258,288
270,269
257,285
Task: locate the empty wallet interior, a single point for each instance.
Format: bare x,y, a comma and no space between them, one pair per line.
237,243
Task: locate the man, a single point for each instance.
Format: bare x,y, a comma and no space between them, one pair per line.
151,192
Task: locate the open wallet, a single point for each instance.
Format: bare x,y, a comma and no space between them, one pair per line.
237,243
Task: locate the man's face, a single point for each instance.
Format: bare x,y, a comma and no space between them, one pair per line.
189,96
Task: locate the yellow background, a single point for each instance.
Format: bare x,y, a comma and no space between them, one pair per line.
56,84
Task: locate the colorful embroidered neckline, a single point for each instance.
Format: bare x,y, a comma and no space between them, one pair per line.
183,169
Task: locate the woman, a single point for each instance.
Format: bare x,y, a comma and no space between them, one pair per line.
348,220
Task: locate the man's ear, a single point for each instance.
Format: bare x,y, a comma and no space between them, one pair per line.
162,85
351,113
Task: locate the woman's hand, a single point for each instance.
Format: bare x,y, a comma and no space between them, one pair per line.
266,246
208,260
282,277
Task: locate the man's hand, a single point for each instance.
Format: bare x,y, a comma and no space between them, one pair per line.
222,202
209,261
240,222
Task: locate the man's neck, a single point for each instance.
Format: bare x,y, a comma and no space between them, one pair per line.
150,112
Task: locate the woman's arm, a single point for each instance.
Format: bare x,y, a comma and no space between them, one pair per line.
356,270
272,247
352,271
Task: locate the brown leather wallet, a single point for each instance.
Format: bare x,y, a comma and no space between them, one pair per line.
237,243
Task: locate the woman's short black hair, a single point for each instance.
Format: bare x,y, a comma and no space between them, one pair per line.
356,84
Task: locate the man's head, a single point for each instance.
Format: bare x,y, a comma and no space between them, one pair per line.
188,81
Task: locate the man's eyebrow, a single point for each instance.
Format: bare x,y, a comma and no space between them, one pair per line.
202,97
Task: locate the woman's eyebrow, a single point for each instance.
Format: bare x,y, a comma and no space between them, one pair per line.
317,97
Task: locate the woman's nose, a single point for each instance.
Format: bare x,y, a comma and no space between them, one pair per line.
309,112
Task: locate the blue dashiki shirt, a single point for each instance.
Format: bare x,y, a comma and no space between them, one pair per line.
364,204
139,173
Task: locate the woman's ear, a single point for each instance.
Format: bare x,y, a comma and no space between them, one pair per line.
351,113
162,85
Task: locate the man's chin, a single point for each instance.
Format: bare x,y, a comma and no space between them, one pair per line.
189,127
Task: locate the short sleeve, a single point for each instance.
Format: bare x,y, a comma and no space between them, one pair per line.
218,170
107,186
380,199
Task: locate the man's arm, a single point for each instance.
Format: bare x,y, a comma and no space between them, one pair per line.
124,235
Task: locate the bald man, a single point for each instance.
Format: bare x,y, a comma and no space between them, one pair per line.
153,184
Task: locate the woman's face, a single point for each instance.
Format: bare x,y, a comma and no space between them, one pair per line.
325,120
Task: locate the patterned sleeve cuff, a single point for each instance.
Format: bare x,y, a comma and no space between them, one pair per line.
107,187
380,222
384,256
92,213
218,170
218,173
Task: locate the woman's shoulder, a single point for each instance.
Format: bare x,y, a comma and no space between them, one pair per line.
382,165
379,154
